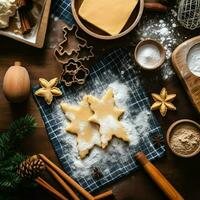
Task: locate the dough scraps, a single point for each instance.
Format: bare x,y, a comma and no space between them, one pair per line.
107,116
87,133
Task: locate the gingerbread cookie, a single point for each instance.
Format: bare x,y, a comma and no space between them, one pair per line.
107,116
87,133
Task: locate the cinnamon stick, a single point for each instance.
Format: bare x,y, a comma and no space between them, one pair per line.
24,19
103,195
21,3
62,183
67,178
49,188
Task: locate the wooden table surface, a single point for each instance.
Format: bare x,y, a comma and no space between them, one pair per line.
184,174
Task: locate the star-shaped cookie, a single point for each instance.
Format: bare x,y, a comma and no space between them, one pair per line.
163,102
107,116
87,133
48,90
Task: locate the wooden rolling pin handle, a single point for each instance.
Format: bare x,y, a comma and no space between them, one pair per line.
158,178
155,7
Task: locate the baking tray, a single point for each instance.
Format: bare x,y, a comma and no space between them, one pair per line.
37,36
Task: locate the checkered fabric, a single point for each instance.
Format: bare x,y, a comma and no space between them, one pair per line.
114,65
62,9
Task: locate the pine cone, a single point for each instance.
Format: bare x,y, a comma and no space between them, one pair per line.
31,167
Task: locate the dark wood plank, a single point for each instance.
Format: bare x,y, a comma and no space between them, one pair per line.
184,174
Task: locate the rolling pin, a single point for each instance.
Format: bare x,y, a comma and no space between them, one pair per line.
158,178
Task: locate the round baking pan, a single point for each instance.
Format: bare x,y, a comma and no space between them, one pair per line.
96,32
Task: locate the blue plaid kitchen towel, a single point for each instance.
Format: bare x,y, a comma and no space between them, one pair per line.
114,70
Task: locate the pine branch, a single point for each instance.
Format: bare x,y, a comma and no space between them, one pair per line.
4,140
11,162
22,127
9,179
18,130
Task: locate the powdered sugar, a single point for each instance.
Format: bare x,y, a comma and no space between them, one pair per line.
108,123
148,55
163,31
82,126
70,115
121,93
95,140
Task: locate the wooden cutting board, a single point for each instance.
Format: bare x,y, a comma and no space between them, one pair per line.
190,82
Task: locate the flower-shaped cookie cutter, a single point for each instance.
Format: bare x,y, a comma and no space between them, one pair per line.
74,72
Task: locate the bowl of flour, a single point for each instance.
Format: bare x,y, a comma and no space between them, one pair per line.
183,138
193,60
149,54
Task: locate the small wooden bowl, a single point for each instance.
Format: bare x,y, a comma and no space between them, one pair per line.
158,45
96,32
170,131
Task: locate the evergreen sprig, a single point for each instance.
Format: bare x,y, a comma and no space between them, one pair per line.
9,179
17,131
22,127
9,158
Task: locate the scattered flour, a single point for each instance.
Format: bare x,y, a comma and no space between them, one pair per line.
82,126
85,145
108,123
163,28
137,126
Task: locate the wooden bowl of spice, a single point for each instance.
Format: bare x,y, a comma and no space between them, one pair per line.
149,54
183,138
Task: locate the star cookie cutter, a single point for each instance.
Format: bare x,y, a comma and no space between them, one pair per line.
86,53
73,47
74,72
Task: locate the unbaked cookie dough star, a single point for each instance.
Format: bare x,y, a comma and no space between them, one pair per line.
48,90
107,116
87,133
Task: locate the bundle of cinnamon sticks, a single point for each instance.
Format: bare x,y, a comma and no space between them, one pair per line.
65,181
24,17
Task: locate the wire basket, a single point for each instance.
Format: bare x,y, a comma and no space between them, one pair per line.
189,14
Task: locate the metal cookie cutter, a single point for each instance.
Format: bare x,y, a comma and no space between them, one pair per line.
72,52
74,72
73,47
